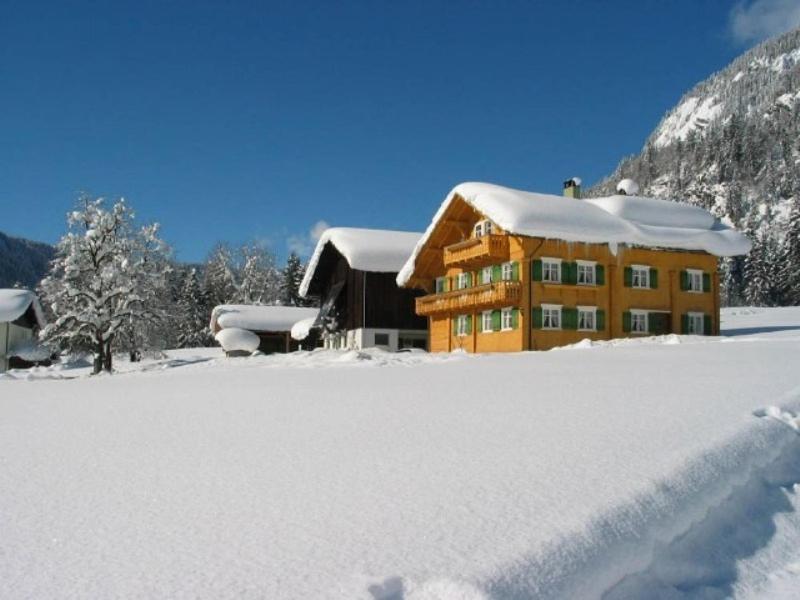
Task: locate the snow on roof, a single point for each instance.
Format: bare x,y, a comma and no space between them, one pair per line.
302,328
628,186
374,250
234,339
14,303
613,220
259,318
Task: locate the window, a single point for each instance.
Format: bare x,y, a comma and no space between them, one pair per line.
587,318
486,321
441,284
694,323
640,276
638,321
586,271
551,316
694,280
381,339
508,271
551,270
483,228
462,325
507,319
463,280
486,275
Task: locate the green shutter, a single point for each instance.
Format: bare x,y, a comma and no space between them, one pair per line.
600,274
684,324
626,321
497,272
537,317
514,318
656,323
706,324
653,279
684,280
455,325
469,324
569,318
628,277
515,271
569,273
600,320
479,324
496,318
706,282
536,270
469,279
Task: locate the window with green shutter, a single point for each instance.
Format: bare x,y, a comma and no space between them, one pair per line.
569,318
628,276
536,314
626,321
569,273
469,324
653,278
706,282
479,324
496,320
515,318
600,320
600,274
536,270
515,271
497,273
684,280
658,323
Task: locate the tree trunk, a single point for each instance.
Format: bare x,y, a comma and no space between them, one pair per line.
99,358
107,357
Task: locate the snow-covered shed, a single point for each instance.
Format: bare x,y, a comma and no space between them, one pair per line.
271,324
20,318
353,272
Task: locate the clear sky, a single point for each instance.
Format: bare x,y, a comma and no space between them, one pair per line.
244,121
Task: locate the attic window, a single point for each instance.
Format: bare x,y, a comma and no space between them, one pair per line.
483,228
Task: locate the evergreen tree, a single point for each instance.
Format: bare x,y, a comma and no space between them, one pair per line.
260,280
220,276
194,312
293,274
790,255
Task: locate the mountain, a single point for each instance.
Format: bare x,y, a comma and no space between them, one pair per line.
731,146
23,262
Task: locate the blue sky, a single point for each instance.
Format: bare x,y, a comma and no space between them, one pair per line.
244,121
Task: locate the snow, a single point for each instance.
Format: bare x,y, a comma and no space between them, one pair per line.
689,115
372,250
645,470
29,350
14,303
259,318
301,329
613,220
233,339
628,186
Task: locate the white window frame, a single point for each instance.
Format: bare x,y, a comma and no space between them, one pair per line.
507,318
486,317
487,227
591,310
692,325
478,229
461,325
482,228
548,311
507,271
695,276
547,263
441,280
640,316
486,271
644,277
589,267
461,280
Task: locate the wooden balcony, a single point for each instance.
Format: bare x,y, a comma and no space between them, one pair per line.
484,249
500,293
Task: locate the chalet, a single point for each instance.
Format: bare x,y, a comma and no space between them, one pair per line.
264,328
353,272
20,319
507,270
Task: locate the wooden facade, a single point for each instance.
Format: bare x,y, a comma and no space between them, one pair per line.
490,293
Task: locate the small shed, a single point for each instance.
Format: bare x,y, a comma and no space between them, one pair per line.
21,317
272,324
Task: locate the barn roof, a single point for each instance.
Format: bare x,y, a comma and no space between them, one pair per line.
614,220
259,318
373,250
14,303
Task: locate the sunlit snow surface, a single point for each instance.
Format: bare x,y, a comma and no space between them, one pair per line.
651,468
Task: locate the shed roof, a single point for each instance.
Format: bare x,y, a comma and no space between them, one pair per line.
259,318
15,302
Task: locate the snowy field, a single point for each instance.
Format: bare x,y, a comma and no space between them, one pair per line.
655,468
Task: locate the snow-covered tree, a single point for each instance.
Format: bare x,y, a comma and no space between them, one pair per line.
293,274
194,313
103,279
791,255
259,279
220,276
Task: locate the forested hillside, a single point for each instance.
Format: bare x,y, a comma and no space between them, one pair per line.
23,262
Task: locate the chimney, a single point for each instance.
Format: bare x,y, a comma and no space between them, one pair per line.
572,188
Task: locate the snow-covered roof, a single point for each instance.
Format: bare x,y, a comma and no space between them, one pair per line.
234,339
259,318
14,303
302,328
614,220
373,250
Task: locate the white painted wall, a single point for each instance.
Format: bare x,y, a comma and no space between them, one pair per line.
357,339
10,335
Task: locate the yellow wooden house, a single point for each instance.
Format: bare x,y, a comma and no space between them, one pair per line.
507,270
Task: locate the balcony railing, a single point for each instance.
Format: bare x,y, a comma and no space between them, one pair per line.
500,293
477,250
